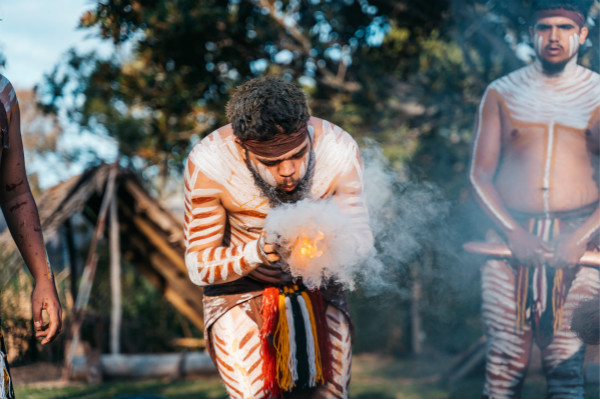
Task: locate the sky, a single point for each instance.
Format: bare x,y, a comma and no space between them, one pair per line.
35,34
34,37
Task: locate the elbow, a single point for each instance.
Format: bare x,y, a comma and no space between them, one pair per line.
194,269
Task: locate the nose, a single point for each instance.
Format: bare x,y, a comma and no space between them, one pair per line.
286,168
554,34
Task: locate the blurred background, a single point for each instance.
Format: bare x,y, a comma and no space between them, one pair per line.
115,93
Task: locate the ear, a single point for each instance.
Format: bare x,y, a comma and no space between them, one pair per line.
243,150
583,35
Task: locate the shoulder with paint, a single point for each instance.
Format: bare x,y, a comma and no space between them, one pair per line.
212,144
330,137
8,96
517,80
591,79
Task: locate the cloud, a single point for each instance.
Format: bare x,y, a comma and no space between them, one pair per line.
34,35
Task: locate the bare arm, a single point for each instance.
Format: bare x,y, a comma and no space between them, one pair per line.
209,262
23,221
484,164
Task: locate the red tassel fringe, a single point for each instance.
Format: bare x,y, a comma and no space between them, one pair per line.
269,313
322,331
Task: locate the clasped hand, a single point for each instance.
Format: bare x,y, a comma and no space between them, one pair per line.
270,271
562,251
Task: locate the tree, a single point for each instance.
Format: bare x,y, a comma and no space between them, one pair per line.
408,74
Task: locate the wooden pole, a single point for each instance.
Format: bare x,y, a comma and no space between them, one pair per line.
87,277
115,277
72,257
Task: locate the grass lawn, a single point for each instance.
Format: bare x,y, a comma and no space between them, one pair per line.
373,377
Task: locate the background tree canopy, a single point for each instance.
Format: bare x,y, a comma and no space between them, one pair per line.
407,74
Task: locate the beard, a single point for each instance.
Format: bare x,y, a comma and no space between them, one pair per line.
278,197
552,68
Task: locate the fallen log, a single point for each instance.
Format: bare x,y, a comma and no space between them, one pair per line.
139,366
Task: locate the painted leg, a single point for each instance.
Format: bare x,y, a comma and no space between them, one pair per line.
341,345
508,350
236,340
563,358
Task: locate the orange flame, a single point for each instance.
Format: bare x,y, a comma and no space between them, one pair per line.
308,247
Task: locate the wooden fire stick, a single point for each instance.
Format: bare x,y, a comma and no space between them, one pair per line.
589,258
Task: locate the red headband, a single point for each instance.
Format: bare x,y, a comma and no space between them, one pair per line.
575,16
280,144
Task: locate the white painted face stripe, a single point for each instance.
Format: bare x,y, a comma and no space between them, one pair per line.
573,44
264,173
492,208
538,43
587,236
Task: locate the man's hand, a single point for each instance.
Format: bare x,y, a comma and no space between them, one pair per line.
45,298
567,251
526,248
270,271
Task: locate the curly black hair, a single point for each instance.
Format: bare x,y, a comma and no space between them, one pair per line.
263,107
580,6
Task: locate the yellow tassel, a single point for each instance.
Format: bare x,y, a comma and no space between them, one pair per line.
557,307
313,325
522,286
282,348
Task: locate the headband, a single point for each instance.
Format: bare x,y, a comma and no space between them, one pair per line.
278,145
575,16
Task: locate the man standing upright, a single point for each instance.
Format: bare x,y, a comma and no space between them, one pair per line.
535,173
267,334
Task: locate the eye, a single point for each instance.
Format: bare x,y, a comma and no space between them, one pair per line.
268,163
300,154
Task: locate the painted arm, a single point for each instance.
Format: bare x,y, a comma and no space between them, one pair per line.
569,248
21,214
207,261
526,247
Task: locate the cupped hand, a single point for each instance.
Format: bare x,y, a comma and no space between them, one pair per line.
44,297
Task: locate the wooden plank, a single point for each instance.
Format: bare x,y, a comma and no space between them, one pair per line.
89,271
115,278
161,243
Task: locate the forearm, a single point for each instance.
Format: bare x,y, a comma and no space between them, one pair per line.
588,230
491,203
218,265
22,219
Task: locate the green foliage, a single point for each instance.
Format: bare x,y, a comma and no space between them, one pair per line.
149,321
407,74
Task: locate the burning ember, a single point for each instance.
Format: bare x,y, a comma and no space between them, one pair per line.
308,247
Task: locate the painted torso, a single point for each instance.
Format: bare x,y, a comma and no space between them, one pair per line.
226,211
218,157
550,134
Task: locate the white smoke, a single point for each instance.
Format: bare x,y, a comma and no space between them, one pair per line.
317,241
401,213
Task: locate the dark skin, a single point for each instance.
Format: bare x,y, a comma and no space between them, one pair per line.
509,168
20,212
